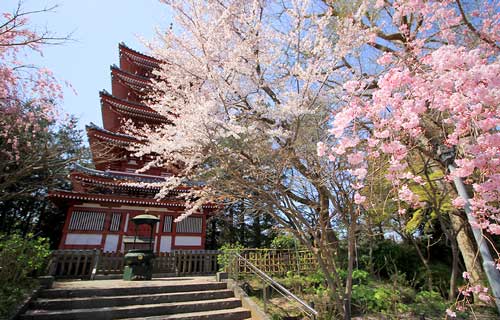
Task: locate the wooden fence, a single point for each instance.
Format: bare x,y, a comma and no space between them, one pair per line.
73,263
86,263
279,261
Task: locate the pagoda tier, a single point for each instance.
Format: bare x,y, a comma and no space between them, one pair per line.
135,62
116,111
110,152
109,149
129,86
101,221
103,200
88,180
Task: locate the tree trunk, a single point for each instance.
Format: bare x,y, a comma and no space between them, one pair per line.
454,271
241,228
467,248
424,261
455,254
351,253
257,230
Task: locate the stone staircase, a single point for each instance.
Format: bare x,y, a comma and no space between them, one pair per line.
173,298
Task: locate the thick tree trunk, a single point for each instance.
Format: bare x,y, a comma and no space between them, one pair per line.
467,248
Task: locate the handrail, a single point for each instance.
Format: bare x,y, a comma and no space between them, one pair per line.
284,291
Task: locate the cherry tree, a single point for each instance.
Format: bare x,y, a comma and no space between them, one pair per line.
435,92
36,143
23,84
248,86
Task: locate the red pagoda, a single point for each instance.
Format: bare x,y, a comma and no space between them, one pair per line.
101,204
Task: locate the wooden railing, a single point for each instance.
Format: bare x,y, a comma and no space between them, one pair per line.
196,262
111,263
86,263
73,263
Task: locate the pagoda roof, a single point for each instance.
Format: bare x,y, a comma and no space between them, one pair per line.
111,137
118,175
123,177
114,184
134,81
138,57
80,196
131,109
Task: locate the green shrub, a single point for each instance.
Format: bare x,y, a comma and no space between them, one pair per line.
383,299
224,259
20,258
284,241
316,279
360,276
429,303
296,283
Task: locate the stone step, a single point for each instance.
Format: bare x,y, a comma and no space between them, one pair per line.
133,311
117,301
127,291
226,314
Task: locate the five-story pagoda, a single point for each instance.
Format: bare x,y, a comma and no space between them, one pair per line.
101,205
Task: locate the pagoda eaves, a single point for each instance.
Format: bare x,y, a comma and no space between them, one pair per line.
129,109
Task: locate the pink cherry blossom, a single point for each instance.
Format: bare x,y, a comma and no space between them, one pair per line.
458,202
321,149
21,83
359,199
484,297
355,158
451,313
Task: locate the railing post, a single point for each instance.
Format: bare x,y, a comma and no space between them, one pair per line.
97,255
238,262
177,263
264,295
52,264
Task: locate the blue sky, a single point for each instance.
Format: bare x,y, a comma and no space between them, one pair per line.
98,27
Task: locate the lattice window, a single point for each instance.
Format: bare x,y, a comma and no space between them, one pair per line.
167,225
190,225
87,221
115,222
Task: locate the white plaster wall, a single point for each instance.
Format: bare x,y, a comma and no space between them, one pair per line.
187,241
83,238
165,244
111,243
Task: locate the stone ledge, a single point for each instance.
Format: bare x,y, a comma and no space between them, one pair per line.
246,301
23,307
